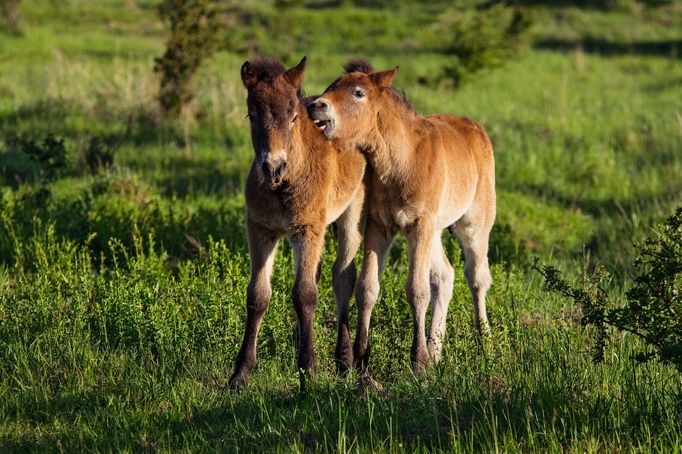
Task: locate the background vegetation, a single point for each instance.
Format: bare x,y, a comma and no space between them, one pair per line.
124,264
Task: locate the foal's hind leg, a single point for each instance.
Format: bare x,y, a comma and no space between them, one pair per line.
442,279
474,237
418,288
262,248
349,232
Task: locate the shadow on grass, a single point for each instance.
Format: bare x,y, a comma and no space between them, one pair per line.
599,207
185,176
602,5
327,418
619,221
667,48
176,175
68,119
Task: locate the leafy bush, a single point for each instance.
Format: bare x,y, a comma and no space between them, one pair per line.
28,159
113,206
136,303
193,26
483,39
99,153
9,14
653,310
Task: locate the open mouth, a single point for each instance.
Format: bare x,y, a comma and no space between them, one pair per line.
325,125
322,124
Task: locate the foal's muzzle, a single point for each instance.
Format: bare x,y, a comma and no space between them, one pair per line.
274,172
320,111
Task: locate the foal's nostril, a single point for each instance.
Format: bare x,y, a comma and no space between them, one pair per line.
279,173
265,167
274,172
321,105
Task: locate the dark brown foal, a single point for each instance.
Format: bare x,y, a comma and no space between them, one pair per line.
298,184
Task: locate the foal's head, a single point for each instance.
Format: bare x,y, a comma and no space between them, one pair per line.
348,108
273,101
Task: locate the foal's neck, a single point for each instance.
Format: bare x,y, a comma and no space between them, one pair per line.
389,147
307,146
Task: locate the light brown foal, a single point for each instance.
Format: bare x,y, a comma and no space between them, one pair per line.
298,184
430,173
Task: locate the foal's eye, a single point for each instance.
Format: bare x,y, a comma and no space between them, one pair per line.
358,93
295,118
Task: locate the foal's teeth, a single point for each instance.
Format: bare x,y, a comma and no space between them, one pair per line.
321,124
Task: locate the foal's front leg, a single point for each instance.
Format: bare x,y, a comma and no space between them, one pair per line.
307,245
262,248
377,244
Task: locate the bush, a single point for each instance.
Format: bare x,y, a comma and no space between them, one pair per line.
9,14
99,153
484,39
193,26
28,159
653,308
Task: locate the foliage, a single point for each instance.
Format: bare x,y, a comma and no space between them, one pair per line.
28,158
286,4
484,39
654,303
599,4
99,153
653,310
9,14
193,29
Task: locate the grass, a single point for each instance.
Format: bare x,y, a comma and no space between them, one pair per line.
122,291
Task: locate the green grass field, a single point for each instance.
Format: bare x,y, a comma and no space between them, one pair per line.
122,289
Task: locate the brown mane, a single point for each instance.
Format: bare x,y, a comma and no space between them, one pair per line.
361,65
358,65
267,68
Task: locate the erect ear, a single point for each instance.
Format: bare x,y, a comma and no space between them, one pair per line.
384,79
248,75
295,75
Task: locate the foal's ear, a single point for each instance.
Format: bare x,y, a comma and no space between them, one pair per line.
249,77
384,79
295,75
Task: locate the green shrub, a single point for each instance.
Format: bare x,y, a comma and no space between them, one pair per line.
137,303
9,14
483,39
28,159
99,153
193,35
653,308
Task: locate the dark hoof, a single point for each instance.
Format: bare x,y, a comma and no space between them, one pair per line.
420,360
344,363
237,382
342,368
